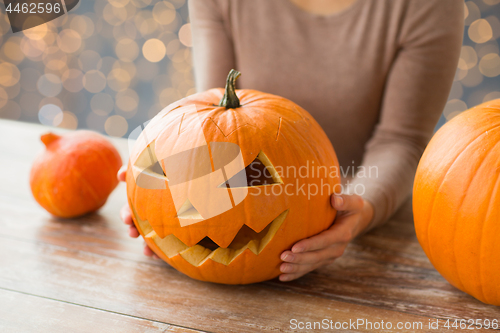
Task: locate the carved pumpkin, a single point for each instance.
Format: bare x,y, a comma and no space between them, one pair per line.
75,174
456,202
212,187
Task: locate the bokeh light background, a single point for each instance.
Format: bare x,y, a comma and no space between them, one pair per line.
111,65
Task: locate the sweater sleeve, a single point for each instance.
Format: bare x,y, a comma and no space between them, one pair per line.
415,94
213,54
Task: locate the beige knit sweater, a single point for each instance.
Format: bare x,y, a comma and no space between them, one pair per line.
376,76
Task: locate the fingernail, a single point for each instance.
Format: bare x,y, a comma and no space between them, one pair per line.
339,201
297,249
287,257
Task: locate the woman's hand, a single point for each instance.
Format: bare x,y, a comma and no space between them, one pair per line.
354,216
126,216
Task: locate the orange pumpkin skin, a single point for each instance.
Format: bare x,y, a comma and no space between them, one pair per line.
456,202
75,174
287,135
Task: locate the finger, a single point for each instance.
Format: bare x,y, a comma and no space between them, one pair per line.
288,268
301,271
314,257
148,252
122,173
346,202
126,215
340,232
132,232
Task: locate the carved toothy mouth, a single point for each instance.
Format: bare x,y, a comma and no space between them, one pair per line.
206,249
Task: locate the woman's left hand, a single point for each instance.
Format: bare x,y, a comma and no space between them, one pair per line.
354,216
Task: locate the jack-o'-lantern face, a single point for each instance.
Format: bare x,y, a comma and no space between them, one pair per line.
217,192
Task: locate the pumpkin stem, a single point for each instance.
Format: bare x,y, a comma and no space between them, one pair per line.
48,138
230,100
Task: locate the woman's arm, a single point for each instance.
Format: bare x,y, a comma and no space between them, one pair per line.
213,54
415,94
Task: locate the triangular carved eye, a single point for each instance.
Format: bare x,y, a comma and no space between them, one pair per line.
258,173
148,162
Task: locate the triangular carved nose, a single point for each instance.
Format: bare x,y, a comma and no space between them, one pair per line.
188,211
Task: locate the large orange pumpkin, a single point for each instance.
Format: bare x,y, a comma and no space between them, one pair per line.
75,173
215,190
456,202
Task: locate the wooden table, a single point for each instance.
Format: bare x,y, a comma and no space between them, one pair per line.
87,275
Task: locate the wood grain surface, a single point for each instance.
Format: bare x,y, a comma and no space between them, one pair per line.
87,275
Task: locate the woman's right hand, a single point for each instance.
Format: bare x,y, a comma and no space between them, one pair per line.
126,216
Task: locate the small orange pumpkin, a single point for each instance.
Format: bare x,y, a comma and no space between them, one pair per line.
456,202
217,183
75,174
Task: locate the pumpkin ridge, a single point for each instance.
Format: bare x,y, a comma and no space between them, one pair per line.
492,198
459,208
441,184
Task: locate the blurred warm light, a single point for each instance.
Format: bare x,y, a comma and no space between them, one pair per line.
491,2
146,70
37,32
453,108
127,100
69,121
30,104
89,60
488,47
129,67
480,31
33,21
11,110
127,50
154,50
146,24
495,25
9,74
118,79
49,85
164,12
141,3
116,126
160,82
50,115
3,97
51,100
33,48
172,47
168,96
119,3
473,12
457,91
102,104
72,80
29,78
12,50
473,77
490,65
13,90
77,102
114,15
469,56
94,81
185,35
69,41
83,26
491,96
